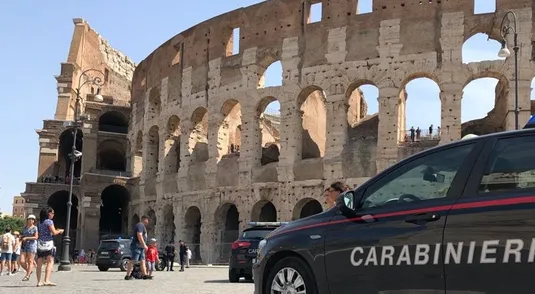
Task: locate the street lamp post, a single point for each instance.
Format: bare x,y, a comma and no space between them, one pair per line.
506,28
65,262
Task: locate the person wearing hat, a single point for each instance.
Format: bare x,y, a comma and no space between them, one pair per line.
15,265
152,256
28,246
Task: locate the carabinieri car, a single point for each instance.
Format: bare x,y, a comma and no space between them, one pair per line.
457,218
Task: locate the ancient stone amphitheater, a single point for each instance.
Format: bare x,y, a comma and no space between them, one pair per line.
206,158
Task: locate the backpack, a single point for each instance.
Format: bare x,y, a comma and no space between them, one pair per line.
5,242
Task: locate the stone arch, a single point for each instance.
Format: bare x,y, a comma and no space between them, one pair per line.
313,121
115,200
264,211
198,138
272,76
111,155
62,168
168,226
419,117
137,150
152,223
227,218
193,231
306,207
58,201
358,102
153,148
228,139
113,122
481,47
489,116
172,145
268,130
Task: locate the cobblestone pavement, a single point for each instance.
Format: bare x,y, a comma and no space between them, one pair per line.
87,279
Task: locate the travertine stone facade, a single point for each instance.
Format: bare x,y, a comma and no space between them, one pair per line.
192,80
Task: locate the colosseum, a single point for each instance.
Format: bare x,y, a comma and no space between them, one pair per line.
202,157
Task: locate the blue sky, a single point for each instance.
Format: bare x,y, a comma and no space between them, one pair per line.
35,40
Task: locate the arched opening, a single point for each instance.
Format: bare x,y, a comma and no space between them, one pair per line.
137,165
152,223
311,103
135,220
264,211
64,159
114,211
307,207
420,120
484,105
58,202
480,47
198,139
268,112
111,155
229,229
172,145
153,148
193,232
168,232
272,77
362,102
113,122
229,137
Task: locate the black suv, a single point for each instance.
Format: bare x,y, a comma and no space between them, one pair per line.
244,249
116,253
457,218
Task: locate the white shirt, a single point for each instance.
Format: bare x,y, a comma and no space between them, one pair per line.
11,243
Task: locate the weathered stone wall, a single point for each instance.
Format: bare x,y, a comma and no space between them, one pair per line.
388,48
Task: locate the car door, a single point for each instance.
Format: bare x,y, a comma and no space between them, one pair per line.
489,234
389,246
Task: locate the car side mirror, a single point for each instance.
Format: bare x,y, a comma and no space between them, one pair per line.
430,177
348,202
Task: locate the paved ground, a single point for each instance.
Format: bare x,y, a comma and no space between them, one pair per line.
87,279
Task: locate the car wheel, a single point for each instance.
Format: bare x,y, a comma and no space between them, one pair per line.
124,264
290,275
103,268
233,277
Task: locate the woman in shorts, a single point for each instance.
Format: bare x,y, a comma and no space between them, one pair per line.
45,245
28,246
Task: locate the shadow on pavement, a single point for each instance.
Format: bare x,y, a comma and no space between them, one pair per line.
226,282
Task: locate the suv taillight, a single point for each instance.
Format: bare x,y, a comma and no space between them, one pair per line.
240,244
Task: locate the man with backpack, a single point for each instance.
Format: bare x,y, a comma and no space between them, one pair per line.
6,247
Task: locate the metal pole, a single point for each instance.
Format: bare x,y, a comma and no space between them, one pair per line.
515,48
65,262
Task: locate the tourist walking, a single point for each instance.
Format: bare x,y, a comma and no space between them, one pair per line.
15,266
29,246
6,248
138,247
188,256
182,254
45,246
152,255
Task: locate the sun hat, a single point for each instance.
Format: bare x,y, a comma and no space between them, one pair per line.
31,216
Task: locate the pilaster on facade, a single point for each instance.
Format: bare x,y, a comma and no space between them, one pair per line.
450,103
387,138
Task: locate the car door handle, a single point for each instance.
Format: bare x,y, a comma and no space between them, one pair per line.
422,218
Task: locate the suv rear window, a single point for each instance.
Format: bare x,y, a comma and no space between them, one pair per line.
256,233
108,245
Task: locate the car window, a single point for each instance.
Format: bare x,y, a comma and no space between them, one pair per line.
511,166
255,234
427,177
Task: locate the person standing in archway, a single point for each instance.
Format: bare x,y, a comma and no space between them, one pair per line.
138,247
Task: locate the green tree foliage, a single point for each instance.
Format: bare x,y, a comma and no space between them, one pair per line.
14,223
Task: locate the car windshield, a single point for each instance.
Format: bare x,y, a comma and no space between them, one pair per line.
107,245
255,234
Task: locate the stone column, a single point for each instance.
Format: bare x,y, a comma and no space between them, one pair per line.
387,141
524,104
160,221
185,156
250,149
450,103
290,140
336,136
89,159
214,148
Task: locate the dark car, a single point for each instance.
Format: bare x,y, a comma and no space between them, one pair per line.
458,218
244,249
116,253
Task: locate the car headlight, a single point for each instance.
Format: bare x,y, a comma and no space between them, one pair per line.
260,246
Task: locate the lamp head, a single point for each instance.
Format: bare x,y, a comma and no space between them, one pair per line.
98,97
504,51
